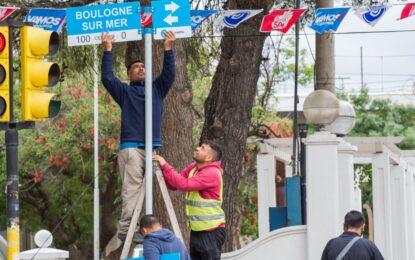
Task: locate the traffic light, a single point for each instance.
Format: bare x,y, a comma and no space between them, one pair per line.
4,74
38,74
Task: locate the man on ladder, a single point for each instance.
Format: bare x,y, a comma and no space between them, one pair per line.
131,100
202,180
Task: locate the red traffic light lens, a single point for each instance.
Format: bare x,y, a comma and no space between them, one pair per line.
2,42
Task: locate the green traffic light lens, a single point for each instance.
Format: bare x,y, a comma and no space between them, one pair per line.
2,106
54,108
2,74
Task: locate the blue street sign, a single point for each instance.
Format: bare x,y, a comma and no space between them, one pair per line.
48,19
85,24
173,15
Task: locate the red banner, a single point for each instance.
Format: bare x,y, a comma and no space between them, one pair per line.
146,19
408,10
280,20
6,11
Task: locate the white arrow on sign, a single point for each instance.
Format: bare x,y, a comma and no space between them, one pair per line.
171,7
171,19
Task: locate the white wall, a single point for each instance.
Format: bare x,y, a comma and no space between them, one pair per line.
283,244
410,183
347,193
382,214
399,213
266,190
323,221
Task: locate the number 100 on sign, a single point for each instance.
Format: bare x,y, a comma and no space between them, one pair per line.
95,38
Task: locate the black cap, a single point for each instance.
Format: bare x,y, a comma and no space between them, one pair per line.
132,62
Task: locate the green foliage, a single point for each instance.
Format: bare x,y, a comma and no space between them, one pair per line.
277,67
248,198
380,117
363,177
56,164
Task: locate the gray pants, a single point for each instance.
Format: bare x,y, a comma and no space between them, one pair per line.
131,162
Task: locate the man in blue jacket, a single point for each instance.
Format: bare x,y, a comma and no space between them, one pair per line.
131,99
158,241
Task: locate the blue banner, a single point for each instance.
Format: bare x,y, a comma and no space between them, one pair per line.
197,17
328,19
48,19
371,14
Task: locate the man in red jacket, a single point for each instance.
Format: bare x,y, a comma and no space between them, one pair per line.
202,181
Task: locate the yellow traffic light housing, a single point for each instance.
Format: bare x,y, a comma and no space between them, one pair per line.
38,74
4,74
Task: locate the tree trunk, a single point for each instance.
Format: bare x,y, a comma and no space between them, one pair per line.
177,125
108,226
229,104
177,132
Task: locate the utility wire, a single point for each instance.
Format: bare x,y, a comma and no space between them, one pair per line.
66,215
308,44
305,34
378,56
377,74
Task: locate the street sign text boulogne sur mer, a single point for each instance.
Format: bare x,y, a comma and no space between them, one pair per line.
86,24
173,15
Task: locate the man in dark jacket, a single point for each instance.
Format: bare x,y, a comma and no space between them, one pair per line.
131,100
158,241
350,245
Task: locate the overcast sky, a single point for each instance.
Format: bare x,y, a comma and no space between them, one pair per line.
388,57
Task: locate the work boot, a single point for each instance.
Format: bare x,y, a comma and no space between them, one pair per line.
137,237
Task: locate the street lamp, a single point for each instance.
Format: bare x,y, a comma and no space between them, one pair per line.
344,123
321,107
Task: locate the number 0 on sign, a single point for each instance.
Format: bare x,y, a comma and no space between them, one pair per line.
86,24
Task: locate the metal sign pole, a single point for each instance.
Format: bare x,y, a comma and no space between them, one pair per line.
148,33
96,156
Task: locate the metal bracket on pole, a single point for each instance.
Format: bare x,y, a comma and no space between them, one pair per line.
17,125
147,9
149,31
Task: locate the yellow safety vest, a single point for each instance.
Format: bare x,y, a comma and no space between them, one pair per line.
204,214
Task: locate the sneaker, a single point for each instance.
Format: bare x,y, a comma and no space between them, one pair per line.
137,238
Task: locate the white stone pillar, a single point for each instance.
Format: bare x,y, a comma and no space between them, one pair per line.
382,210
400,234
357,199
410,183
323,221
266,190
346,178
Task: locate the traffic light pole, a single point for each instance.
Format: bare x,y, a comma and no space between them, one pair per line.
12,167
12,185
